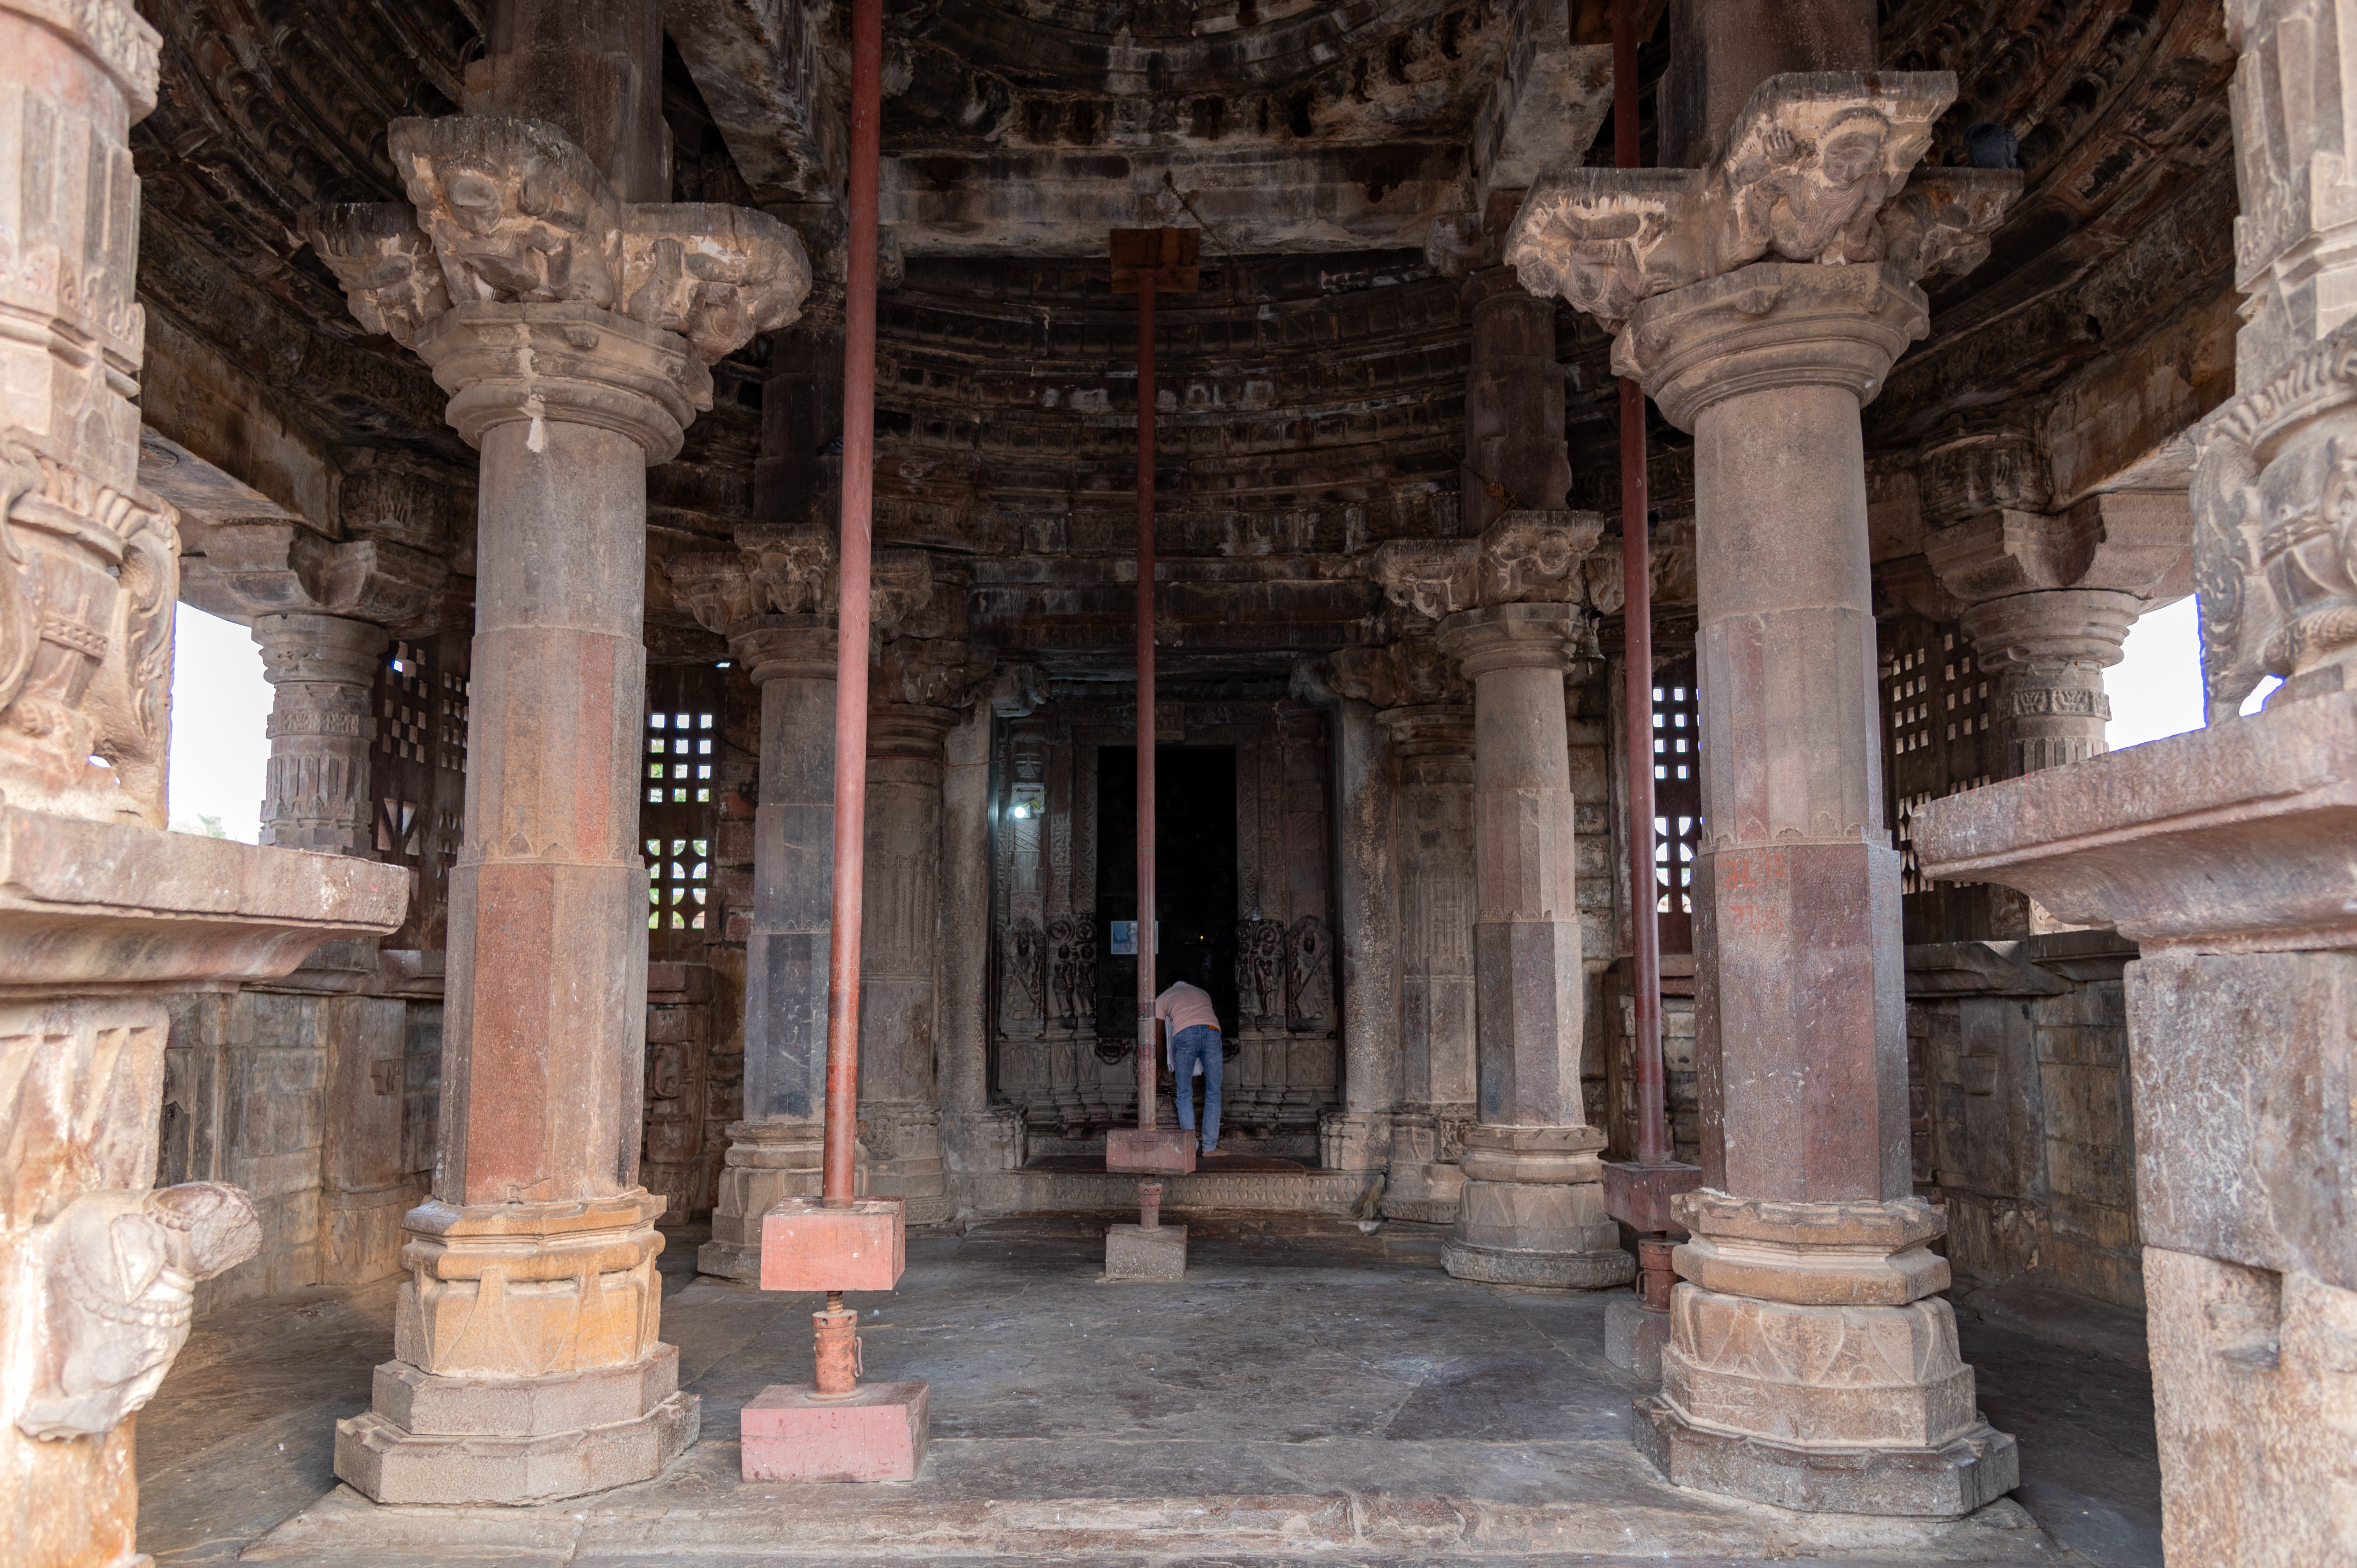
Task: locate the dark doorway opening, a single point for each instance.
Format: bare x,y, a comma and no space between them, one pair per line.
1194,877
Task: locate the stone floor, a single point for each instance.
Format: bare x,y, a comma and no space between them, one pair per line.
1308,1393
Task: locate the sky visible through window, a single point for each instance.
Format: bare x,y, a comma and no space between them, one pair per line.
219,704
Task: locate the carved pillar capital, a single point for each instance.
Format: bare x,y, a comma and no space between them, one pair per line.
909,732
272,568
1818,169
1534,556
536,293
1768,326
321,670
795,648
1519,636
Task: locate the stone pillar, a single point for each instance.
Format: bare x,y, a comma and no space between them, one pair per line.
976,1136
899,1105
1532,1209
2223,853
321,670
499,1394
774,1153
1812,1363
1434,817
1515,459
1357,1136
102,914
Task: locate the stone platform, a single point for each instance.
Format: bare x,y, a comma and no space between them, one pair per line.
1230,1183
1307,1394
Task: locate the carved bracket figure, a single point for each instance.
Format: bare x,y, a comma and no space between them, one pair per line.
123,1269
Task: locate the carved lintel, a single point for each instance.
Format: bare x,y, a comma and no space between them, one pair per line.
121,1268
2128,543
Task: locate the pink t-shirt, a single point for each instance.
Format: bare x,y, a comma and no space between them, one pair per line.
1185,1006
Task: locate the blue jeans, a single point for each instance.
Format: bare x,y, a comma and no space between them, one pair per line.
1199,1044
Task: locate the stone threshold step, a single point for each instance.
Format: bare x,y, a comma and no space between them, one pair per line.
753,1523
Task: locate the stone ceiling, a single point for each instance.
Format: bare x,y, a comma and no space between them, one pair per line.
1341,160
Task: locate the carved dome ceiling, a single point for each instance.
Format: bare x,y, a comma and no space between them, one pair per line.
1317,382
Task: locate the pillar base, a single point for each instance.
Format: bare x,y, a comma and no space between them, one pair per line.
1427,1193
1634,1335
1134,1253
1532,1211
1811,1364
766,1161
876,1434
455,1440
1967,1472
1354,1140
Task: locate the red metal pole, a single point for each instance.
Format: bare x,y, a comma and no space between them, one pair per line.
1147,281
1645,926
851,629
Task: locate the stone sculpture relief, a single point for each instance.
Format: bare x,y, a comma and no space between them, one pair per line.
1025,960
1072,943
1310,974
88,576
1261,969
122,1268
1818,169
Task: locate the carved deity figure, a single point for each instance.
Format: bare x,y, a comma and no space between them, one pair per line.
122,1269
1309,964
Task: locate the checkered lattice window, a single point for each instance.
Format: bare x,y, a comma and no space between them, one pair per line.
679,884
417,774
679,758
1937,704
1677,802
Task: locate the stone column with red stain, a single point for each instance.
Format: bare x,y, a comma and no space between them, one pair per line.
528,1362
1812,1363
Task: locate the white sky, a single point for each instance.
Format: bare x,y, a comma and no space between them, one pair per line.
219,707
219,704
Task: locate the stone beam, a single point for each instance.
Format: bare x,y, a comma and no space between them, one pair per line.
762,67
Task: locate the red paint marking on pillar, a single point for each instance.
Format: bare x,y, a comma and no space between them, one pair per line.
1147,281
851,630
1645,926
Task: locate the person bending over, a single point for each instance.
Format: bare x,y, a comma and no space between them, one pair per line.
1191,1045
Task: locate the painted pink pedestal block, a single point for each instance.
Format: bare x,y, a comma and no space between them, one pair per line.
1150,1149
877,1434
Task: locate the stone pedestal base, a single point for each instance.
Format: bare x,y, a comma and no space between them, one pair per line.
527,1365
876,1434
904,1159
482,1440
1427,1193
1354,1141
1634,1335
1967,1472
766,1161
1532,1211
992,1140
1811,1365
1134,1253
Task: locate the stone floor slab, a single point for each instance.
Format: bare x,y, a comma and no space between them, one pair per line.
1329,1396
